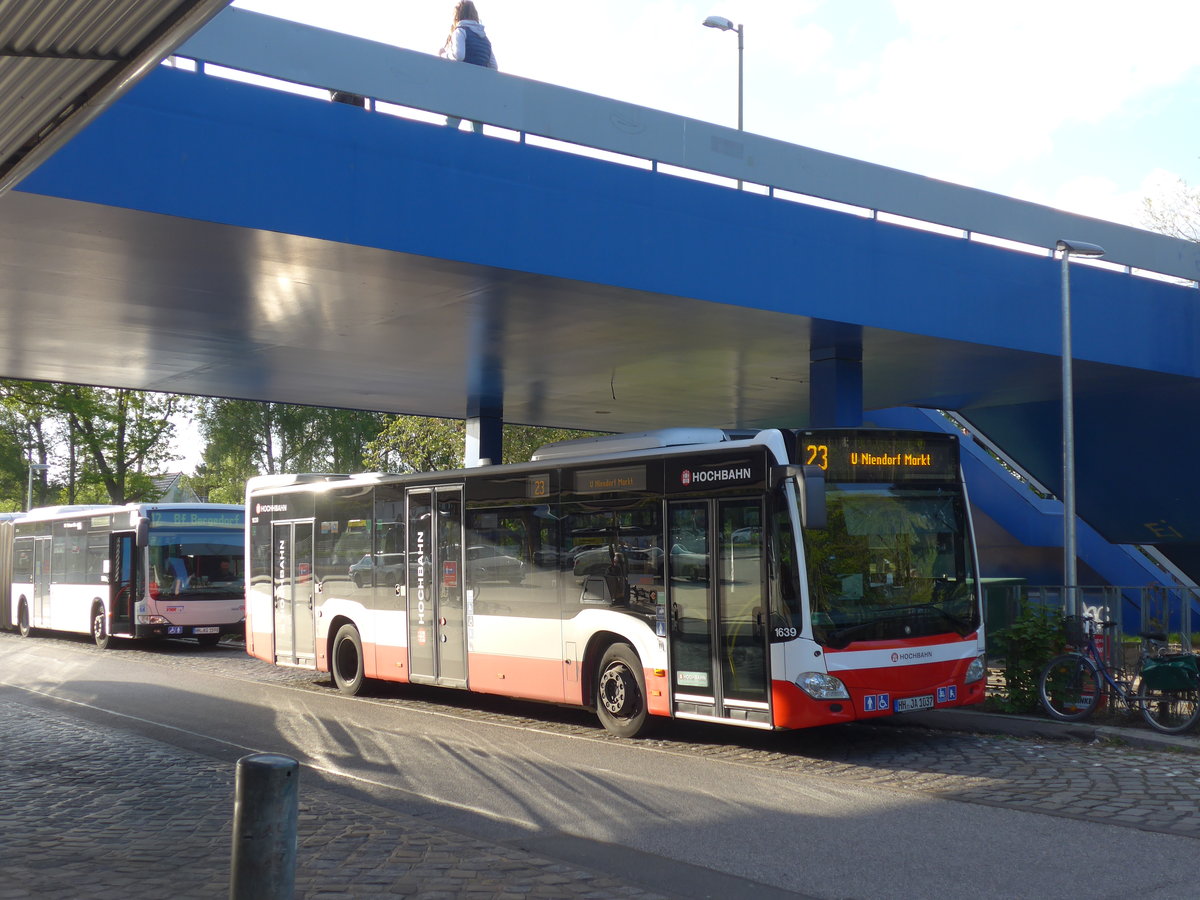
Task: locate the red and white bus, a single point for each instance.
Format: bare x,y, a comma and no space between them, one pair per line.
144,570
781,579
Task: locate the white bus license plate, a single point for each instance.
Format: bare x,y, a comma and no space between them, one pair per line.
908,704
213,629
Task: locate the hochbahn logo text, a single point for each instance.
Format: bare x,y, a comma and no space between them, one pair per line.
910,655
711,475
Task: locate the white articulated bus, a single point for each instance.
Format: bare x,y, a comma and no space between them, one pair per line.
144,570
773,580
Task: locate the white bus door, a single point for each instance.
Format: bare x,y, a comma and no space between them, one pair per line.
293,590
40,614
122,582
718,596
437,633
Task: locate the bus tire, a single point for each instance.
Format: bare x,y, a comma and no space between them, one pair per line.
100,627
621,692
23,625
346,661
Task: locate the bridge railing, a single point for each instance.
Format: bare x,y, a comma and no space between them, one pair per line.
304,55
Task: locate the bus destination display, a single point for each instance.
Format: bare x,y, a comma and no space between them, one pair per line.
194,518
883,456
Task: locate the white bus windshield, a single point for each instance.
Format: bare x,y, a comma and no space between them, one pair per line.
196,563
893,563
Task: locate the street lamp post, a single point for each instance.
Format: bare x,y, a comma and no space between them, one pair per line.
1071,598
723,24
33,467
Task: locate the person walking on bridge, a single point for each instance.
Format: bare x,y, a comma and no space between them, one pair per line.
469,43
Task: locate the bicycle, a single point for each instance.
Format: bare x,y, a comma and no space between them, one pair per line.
1165,687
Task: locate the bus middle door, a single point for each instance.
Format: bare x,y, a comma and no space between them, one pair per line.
40,614
293,590
437,634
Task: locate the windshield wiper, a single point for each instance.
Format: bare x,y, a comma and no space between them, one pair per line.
961,626
841,638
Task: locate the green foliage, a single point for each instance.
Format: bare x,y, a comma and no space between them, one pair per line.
420,444
417,444
103,444
1036,635
246,438
521,441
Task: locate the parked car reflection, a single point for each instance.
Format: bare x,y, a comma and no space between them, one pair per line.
488,563
383,568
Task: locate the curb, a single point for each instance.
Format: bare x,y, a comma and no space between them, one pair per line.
1047,729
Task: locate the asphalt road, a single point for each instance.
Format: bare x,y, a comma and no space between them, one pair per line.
693,811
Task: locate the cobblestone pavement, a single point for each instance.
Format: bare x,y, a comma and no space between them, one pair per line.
83,813
1106,781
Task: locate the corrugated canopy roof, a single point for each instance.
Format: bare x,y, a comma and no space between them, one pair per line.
63,61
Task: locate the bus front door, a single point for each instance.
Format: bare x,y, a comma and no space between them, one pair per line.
717,594
292,587
437,633
122,581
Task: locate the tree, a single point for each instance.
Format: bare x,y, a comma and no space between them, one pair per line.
522,441
1175,213
124,437
107,441
419,444
244,438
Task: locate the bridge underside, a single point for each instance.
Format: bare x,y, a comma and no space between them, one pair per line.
210,238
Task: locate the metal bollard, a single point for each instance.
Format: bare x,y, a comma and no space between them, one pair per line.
265,812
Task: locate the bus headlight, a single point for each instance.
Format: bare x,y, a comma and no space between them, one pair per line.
152,620
821,686
975,670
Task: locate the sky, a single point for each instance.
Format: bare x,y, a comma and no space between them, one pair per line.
1087,107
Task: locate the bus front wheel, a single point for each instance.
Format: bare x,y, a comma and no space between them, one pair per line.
346,661
621,692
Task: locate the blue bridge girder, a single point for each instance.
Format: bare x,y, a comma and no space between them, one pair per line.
212,237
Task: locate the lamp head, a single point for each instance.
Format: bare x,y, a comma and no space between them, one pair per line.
719,22
1079,248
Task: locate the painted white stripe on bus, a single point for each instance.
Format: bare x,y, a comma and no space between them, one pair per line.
846,660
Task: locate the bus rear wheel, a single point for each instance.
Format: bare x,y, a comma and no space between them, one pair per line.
346,661
100,627
23,625
621,692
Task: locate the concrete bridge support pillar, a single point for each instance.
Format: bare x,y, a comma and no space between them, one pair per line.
485,441
835,391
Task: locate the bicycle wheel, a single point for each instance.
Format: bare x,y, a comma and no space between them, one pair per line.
1069,687
1171,712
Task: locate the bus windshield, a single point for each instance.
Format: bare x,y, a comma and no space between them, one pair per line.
892,563
196,563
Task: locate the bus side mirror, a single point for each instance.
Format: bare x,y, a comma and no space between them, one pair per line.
810,483
812,498
143,532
